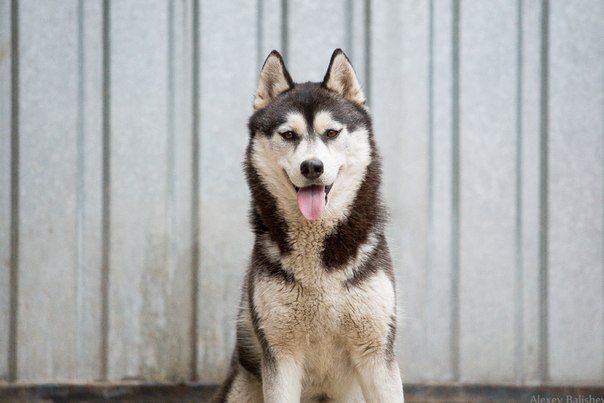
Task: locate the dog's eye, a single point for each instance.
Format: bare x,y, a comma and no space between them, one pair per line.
331,133
288,135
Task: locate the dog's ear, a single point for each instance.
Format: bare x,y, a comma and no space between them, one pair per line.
341,78
274,80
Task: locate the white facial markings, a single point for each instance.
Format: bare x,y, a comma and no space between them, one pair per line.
324,121
314,147
294,122
345,159
310,147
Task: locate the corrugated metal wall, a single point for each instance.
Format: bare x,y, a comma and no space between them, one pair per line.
123,205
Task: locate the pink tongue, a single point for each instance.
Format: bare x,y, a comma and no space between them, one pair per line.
311,201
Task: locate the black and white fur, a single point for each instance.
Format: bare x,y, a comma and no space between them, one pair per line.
317,319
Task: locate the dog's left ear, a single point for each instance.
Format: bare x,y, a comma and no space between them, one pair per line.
341,78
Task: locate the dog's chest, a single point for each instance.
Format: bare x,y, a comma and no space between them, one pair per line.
311,306
319,318
319,307
318,299
307,321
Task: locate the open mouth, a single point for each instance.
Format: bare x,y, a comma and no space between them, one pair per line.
312,200
327,189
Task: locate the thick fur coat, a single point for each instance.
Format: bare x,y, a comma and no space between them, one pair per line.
317,319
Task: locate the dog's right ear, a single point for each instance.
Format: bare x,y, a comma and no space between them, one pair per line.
274,80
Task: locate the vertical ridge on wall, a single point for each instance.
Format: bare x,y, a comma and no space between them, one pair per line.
259,33
8,113
543,195
89,190
181,240
348,16
440,313
430,134
528,210
285,29
518,292
195,118
14,193
368,48
170,133
106,180
5,183
410,194
81,169
455,191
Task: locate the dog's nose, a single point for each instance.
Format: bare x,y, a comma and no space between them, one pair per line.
311,169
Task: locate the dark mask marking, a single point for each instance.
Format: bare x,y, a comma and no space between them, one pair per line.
390,357
263,265
379,259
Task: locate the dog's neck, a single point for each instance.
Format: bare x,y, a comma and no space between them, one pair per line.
336,241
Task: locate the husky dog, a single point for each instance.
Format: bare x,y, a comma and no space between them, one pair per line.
317,320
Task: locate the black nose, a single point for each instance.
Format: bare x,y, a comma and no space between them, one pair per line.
312,169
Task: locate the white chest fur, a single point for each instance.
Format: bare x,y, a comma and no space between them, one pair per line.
319,319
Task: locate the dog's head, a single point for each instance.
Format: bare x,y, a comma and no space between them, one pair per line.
310,143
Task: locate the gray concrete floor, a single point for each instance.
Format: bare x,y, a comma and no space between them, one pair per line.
135,393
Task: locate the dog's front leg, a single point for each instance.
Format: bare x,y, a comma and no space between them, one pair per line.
380,379
281,380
